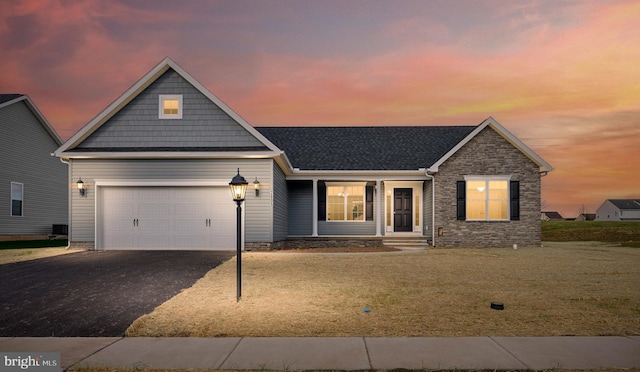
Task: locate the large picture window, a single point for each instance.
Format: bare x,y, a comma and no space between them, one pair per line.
345,202
17,196
487,199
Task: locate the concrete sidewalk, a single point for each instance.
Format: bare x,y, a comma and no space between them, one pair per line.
338,353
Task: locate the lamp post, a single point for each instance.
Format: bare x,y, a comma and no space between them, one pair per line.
238,186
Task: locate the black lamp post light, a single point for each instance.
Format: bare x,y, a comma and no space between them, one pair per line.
238,186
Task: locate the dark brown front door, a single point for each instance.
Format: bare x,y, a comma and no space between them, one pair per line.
402,210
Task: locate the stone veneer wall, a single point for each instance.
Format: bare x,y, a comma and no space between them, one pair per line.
488,154
5,238
82,245
319,242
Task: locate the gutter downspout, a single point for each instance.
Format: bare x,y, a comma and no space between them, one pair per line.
68,163
433,208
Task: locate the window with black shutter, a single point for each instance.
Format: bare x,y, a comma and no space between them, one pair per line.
369,203
487,198
322,201
514,197
461,205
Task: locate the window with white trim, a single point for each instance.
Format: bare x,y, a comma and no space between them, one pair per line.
345,202
487,199
170,106
17,197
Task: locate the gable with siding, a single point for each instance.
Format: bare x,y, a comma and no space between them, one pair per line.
132,124
27,141
204,125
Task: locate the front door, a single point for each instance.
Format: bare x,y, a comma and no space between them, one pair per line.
402,209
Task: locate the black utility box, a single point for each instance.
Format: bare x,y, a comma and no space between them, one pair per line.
59,229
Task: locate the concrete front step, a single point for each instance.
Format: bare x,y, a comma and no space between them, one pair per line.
406,243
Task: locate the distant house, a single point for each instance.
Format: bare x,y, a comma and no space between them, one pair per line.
155,166
33,184
551,216
619,210
586,217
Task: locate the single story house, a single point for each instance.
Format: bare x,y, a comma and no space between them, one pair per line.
619,210
551,216
586,217
33,184
156,163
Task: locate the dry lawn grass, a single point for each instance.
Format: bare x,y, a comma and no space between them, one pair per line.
561,289
26,254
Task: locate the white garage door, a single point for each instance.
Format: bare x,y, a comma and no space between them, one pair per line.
167,218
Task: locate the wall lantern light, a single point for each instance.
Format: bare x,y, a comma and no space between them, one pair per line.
81,188
256,187
238,186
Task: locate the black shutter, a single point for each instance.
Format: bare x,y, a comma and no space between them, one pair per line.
515,200
369,203
461,203
322,201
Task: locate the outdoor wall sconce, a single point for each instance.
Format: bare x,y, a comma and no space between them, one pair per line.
238,186
81,188
440,231
256,187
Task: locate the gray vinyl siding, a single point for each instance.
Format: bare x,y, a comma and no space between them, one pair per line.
427,208
258,211
301,215
203,124
280,204
300,207
26,159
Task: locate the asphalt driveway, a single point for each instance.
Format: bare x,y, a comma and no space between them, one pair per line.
91,293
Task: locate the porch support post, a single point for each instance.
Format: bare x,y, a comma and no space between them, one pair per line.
378,207
315,208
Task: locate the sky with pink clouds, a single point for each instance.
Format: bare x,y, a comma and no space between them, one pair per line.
563,76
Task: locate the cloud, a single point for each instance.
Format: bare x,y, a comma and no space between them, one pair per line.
562,76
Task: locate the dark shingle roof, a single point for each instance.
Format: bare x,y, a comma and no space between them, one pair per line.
553,215
365,148
624,204
8,97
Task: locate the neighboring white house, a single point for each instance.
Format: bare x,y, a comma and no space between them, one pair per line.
33,184
619,210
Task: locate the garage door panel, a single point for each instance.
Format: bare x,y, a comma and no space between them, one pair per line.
120,241
150,225
148,208
194,241
160,241
195,218
189,225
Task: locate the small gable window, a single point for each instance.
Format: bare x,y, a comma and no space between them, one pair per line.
17,194
170,106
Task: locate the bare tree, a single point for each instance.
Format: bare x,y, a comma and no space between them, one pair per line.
543,205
